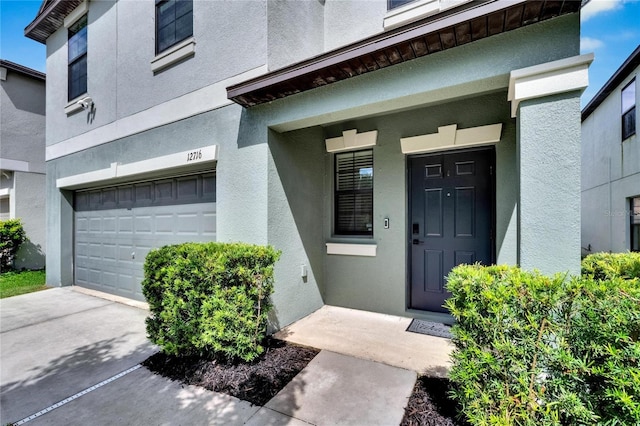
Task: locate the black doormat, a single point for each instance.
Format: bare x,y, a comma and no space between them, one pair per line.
430,328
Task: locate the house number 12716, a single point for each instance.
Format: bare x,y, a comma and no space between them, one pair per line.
194,155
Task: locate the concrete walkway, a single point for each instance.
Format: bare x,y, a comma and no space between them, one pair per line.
72,358
376,337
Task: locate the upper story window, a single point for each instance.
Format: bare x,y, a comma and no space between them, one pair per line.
392,4
629,110
354,193
635,224
77,71
174,22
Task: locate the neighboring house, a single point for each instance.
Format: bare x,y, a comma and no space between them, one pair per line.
22,158
611,164
376,144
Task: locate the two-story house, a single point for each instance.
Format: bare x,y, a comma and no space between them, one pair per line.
376,143
611,164
22,158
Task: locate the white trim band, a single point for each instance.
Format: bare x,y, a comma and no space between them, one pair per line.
352,249
551,78
449,137
22,166
195,156
197,102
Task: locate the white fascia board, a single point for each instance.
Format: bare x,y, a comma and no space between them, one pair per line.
351,140
551,78
14,165
207,154
449,137
197,102
76,14
352,249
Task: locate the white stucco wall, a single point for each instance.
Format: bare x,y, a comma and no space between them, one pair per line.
610,174
22,160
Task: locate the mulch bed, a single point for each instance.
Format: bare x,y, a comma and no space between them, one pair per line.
256,382
430,406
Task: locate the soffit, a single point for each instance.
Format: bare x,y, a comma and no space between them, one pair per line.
457,27
50,17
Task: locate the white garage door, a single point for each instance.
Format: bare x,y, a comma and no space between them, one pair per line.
115,228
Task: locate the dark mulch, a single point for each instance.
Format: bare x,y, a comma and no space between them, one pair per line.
430,406
256,382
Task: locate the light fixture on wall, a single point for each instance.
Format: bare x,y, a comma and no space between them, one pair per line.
86,102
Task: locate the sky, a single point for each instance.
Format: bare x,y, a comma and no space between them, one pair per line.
609,28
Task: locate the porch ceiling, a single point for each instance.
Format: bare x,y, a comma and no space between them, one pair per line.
462,25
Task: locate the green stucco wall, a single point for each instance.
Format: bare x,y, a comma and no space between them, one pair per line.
549,163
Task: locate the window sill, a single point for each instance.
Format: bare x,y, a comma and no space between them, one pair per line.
417,10
352,249
174,54
73,106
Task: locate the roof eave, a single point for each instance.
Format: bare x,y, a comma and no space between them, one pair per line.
299,77
22,69
49,19
616,79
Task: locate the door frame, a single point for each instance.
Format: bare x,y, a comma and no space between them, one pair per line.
408,231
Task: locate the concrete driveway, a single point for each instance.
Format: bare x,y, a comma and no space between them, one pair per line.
62,355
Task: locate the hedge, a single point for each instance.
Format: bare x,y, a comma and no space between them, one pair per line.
209,299
538,350
610,265
12,235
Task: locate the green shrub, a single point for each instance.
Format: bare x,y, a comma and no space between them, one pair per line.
209,299
12,235
536,350
603,266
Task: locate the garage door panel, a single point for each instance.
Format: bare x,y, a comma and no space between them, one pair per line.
111,244
143,224
109,225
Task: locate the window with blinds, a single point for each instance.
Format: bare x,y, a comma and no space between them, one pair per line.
354,193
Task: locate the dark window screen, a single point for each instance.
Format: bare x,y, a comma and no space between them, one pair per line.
354,193
174,22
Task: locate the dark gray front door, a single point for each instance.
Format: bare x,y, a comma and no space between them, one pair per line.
451,220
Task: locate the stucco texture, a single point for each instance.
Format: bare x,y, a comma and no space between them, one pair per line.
610,175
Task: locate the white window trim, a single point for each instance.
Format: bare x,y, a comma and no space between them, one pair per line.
76,14
74,105
367,250
176,53
417,10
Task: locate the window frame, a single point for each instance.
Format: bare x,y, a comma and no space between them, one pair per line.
634,223
158,3
337,231
401,3
78,58
629,113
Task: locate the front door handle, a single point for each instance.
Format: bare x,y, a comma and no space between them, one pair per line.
416,241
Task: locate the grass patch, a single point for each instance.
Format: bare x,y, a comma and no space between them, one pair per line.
13,283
